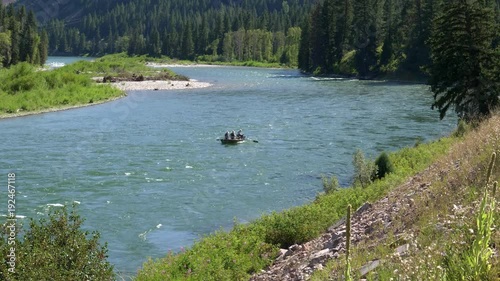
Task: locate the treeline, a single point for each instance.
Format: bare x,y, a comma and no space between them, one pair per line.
183,29
370,37
20,40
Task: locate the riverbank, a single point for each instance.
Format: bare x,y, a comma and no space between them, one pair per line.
123,86
408,224
21,113
28,91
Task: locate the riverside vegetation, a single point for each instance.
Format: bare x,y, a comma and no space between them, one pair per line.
237,254
27,89
453,229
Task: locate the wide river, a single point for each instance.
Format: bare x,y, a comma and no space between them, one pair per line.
150,176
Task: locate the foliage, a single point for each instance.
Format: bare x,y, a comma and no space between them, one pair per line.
27,90
57,249
462,128
364,169
121,66
331,185
473,261
386,37
178,28
465,68
20,39
384,165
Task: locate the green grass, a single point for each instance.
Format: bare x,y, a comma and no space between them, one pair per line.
25,89
246,249
122,66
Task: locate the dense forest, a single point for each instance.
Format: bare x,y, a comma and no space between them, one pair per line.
20,39
185,29
372,37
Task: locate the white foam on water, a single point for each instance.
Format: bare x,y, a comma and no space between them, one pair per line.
55,205
55,64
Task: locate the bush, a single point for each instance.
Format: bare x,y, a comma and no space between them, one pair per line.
331,185
57,249
364,170
462,128
384,165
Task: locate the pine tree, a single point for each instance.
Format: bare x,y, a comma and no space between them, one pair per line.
465,68
366,17
304,59
187,43
154,43
43,47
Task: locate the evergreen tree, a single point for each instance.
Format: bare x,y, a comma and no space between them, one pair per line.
187,43
5,48
154,43
43,47
465,68
304,56
366,29
344,16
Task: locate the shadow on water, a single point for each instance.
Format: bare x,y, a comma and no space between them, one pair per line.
375,83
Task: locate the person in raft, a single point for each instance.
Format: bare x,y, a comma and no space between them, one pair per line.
232,135
240,135
226,135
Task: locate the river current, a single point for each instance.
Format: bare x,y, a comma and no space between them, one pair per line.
147,170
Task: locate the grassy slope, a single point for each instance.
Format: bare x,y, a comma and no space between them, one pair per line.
26,90
442,231
248,248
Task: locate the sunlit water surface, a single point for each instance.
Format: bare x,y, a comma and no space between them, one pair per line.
150,175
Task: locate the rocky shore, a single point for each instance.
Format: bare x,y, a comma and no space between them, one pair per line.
370,225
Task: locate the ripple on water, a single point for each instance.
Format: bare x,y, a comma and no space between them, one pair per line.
159,161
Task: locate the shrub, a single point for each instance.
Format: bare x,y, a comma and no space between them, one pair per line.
364,170
384,165
331,185
57,249
462,128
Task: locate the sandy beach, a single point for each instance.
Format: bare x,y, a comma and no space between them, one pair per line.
159,85
168,65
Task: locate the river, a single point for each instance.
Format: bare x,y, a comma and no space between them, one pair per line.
150,176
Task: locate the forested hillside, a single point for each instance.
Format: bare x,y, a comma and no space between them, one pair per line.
19,37
263,30
372,37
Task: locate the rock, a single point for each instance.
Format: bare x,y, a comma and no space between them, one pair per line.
318,267
333,242
365,269
337,224
294,248
403,249
363,208
320,257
